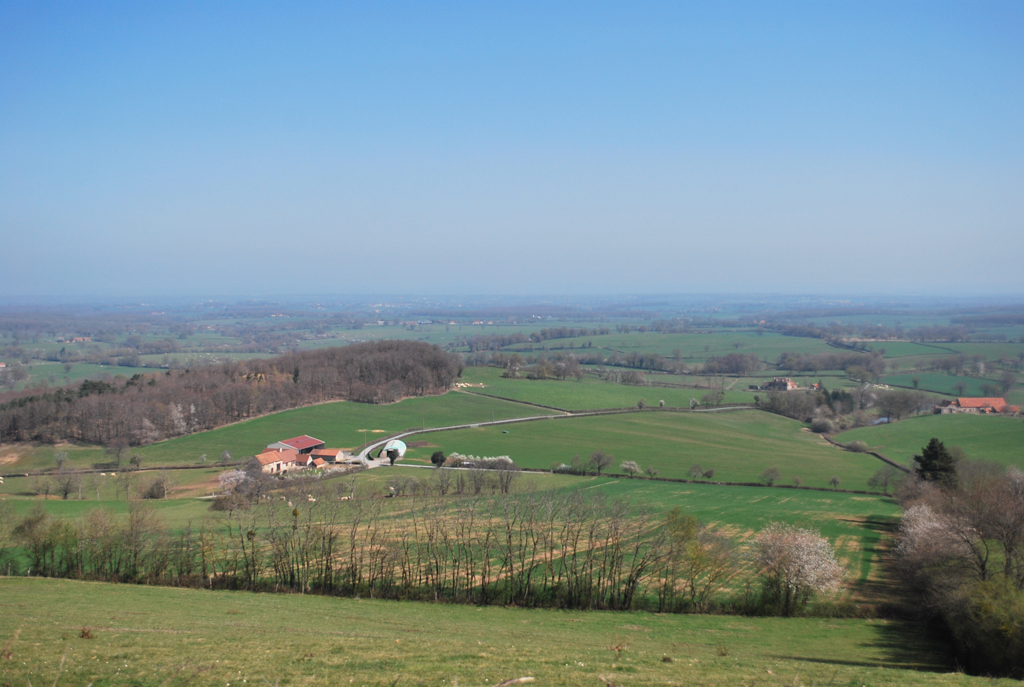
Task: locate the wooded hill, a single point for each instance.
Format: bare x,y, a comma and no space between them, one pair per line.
148,408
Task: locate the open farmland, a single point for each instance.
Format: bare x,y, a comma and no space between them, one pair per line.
855,523
940,383
158,635
337,423
737,445
998,439
691,346
590,393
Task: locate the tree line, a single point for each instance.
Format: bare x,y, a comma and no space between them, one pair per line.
147,408
960,555
543,549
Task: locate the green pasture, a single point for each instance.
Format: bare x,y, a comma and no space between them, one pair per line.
738,445
590,393
854,523
103,486
903,349
692,346
338,424
989,351
983,437
939,382
157,635
54,375
172,513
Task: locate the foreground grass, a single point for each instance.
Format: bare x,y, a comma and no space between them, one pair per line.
998,439
157,636
739,446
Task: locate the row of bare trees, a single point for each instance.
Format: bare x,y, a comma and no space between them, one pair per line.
149,408
566,550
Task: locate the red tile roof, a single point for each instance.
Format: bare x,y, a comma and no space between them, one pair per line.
286,456
319,462
997,404
294,457
332,452
300,443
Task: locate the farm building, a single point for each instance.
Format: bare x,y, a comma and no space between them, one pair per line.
278,461
393,450
328,455
779,384
302,444
975,405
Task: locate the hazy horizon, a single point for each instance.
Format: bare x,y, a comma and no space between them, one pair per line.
515,150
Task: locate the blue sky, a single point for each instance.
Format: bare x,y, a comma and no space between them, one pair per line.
263,148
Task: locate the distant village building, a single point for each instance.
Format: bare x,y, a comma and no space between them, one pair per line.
779,384
303,444
975,405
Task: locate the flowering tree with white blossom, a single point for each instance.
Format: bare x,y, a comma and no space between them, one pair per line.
795,563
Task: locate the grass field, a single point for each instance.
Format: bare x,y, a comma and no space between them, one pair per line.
998,439
338,424
54,375
591,393
692,346
939,382
855,523
739,445
165,636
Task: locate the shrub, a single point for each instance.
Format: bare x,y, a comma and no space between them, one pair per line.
991,628
822,426
856,447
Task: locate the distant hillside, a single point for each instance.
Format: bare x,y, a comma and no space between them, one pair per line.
147,408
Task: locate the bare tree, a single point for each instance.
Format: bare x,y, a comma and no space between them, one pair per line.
443,480
68,482
834,481
884,478
477,479
695,471
770,476
599,460
507,473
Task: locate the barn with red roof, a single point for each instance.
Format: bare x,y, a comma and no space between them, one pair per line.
303,444
976,405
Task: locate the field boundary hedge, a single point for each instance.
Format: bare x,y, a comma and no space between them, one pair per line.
877,455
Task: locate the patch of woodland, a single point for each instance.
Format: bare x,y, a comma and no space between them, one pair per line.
148,408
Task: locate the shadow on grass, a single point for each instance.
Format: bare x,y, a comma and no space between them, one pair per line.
904,645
